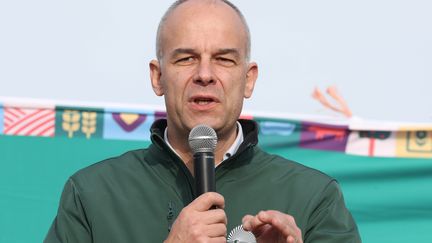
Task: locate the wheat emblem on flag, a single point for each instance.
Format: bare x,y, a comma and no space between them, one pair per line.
29,122
88,123
71,122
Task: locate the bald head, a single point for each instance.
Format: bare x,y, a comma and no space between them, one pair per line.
198,4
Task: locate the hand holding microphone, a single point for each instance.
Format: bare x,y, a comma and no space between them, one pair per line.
196,222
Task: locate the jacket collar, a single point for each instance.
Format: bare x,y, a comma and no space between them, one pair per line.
161,156
250,133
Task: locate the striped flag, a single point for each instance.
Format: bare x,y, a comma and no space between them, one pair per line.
29,122
1,119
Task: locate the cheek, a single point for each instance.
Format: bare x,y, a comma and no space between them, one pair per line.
234,98
236,87
232,79
173,83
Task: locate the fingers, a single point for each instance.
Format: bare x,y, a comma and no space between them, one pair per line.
200,209
291,239
283,222
250,222
277,221
215,230
205,231
197,223
207,200
214,216
254,224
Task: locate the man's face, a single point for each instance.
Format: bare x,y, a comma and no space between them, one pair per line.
203,73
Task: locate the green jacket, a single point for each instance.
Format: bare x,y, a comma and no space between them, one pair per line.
137,196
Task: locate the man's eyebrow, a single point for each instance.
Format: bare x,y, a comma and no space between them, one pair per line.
179,51
224,51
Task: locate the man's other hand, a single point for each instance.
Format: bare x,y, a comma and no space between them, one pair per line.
199,223
273,226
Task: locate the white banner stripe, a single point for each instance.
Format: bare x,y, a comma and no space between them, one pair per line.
355,123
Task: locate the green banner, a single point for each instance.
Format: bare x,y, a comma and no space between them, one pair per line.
390,198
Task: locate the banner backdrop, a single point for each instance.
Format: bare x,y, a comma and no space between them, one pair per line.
385,169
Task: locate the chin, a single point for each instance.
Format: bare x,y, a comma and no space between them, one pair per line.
211,122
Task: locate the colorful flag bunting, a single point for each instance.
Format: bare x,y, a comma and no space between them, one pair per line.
323,136
79,122
413,140
372,143
29,121
246,117
414,143
277,128
281,134
127,125
160,115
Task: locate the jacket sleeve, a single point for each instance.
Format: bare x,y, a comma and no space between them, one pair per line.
70,224
331,221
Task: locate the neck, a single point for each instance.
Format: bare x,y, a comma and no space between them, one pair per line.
179,142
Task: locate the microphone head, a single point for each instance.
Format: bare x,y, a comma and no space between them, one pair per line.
202,138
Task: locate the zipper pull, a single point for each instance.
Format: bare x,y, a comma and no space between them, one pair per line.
170,215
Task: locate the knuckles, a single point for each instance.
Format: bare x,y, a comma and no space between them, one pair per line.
298,231
190,224
290,219
213,198
196,233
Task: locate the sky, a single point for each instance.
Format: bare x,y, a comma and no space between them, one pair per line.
377,53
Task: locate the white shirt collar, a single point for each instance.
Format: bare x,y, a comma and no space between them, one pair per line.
237,142
230,152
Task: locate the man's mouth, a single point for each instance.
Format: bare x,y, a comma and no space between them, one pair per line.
203,101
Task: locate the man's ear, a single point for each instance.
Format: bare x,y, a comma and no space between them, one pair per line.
251,77
155,77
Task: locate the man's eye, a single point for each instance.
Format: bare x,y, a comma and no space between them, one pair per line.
226,61
185,60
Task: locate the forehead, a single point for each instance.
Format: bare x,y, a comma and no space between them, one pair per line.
203,24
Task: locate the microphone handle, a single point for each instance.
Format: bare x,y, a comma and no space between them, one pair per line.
204,168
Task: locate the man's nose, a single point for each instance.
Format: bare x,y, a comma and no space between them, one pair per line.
204,75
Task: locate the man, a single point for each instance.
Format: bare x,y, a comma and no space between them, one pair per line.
203,72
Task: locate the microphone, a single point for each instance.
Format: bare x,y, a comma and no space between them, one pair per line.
202,141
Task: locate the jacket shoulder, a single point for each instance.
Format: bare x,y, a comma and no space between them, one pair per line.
120,166
280,167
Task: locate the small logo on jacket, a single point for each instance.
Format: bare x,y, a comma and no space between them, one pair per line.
239,235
